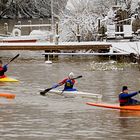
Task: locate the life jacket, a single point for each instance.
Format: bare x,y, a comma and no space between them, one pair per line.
2,72
3,76
69,84
123,101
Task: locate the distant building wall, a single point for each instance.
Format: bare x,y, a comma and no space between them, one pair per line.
121,15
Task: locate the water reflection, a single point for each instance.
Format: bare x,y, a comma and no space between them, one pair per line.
128,113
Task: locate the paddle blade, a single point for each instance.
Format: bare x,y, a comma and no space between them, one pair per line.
45,91
42,93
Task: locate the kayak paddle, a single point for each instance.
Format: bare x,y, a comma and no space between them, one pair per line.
48,89
13,59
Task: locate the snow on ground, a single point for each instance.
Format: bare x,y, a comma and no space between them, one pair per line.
127,47
60,43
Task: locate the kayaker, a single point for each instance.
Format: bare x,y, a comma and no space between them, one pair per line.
3,69
67,82
125,97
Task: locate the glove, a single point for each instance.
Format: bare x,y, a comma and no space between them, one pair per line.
139,91
55,86
5,67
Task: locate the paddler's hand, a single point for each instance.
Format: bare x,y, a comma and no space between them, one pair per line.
139,91
5,67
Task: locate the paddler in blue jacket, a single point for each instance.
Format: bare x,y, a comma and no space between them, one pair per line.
125,98
3,69
67,82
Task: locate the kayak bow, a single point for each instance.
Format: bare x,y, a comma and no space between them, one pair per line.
8,79
7,95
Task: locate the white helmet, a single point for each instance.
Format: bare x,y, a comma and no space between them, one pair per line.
71,75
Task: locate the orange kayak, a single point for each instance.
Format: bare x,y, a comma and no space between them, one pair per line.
115,106
7,95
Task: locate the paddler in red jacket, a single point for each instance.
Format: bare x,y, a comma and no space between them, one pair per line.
3,69
125,98
67,82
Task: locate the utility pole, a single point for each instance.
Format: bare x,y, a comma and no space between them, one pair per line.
0,6
116,2
52,17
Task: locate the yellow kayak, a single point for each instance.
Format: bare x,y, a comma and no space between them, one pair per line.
8,79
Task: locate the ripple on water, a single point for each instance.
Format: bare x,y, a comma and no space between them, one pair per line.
31,116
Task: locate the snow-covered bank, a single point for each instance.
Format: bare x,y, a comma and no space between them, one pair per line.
127,47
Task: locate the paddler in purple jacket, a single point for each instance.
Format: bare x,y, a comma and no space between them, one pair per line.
125,98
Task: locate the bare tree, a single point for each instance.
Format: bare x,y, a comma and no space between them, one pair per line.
31,8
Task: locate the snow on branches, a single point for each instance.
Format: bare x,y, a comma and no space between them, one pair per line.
86,13
30,8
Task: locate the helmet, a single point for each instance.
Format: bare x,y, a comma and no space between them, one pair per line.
71,75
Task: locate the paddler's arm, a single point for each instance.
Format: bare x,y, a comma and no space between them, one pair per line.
60,83
123,95
74,81
63,82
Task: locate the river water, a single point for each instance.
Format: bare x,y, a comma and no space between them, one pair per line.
31,116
